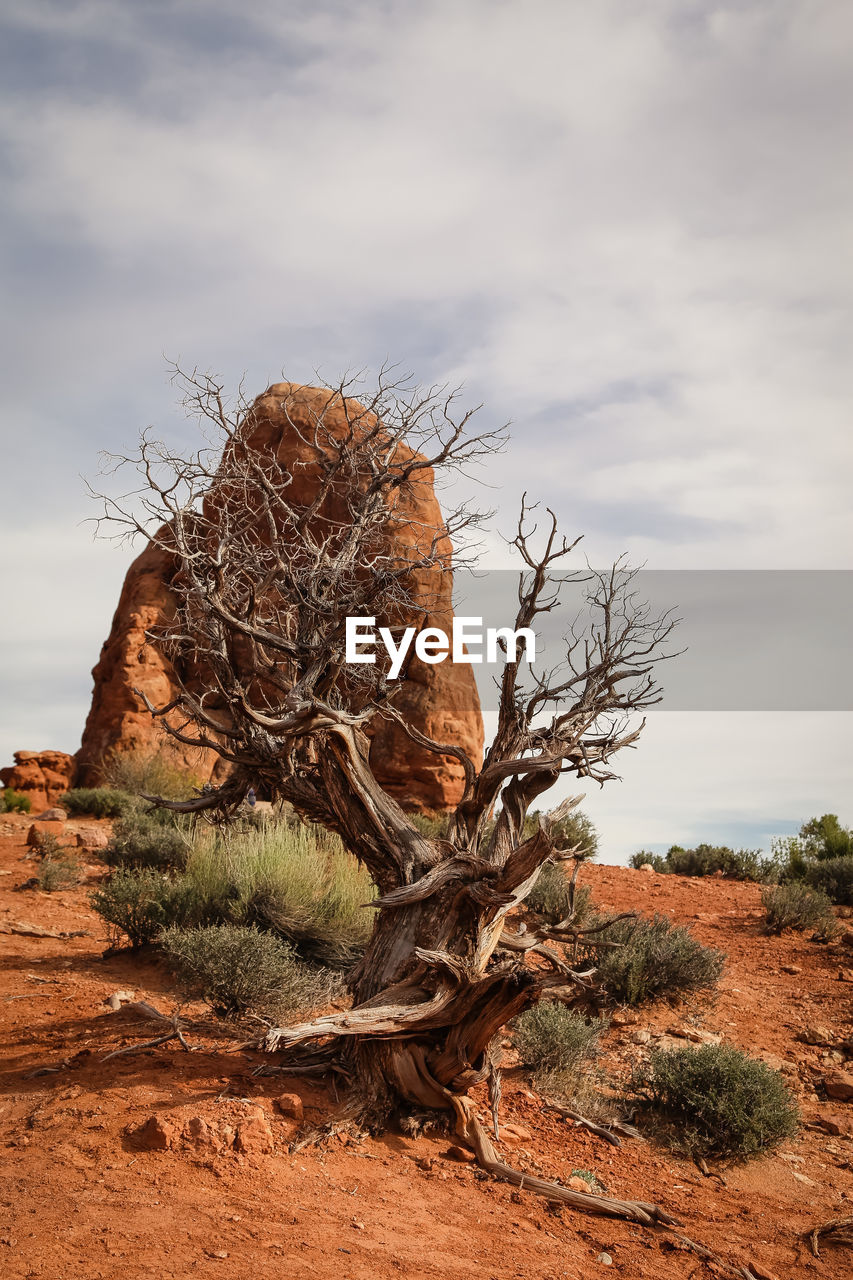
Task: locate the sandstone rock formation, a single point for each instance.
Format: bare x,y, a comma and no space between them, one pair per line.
42,776
440,700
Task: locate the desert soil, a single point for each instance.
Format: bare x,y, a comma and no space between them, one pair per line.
210,1189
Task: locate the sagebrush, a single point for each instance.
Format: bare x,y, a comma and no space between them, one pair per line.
557,1043
238,969
795,906
643,959
714,1101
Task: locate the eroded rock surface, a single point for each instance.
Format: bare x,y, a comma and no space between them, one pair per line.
440,700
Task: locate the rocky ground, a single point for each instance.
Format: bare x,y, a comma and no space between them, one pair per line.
171,1163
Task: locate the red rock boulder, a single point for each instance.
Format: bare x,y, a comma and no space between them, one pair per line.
42,776
440,699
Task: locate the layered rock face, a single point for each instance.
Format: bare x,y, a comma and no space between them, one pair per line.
440,700
42,776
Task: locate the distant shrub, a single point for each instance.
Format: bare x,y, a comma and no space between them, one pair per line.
714,1101
653,959
12,801
795,906
825,838
642,859
557,1043
549,896
433,825
57,872
292,881
99,802
834,877
148,838
708,860
137,904
239,970
156,772
575,831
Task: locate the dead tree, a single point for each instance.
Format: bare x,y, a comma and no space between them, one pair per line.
267,576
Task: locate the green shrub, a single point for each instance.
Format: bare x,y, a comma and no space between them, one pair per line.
575,831
139,904
14,801
433,825
557,1043
834,877
292,881
149,838
714,1101
57,872
549,896
708,860
154,773
99,802
794,906
653,959
642,858
825,838
239,970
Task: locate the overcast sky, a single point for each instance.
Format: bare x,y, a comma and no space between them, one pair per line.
625,226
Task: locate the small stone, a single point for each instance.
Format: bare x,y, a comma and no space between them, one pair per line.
605,1259
761,1273
359,1226
254,1135
290,1104
642,1036
92,838
156,1134
647,867
425,1163
199,1133
839,1084
39,831
461,1154
791,968
815,1035
845,975
836,1126
579,1184
514,1134
51,815
801,1177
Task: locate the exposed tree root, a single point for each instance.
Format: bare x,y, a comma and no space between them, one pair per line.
836,1231
470,1129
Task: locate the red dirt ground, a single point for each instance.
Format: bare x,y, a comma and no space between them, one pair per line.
80,1198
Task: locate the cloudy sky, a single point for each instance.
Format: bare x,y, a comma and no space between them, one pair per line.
625,226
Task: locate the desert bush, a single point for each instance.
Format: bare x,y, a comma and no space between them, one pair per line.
653,959
549,896
708,860
714,1101
291,881
157,772
149,838
433,825
834,877
795,906
656,860
12,801
239,970
557,1043
57,871
99,802
137,904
